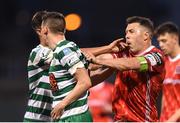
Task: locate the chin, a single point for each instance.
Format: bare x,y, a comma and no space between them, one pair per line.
131,49
165,53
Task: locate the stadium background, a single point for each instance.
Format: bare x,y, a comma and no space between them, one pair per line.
102,22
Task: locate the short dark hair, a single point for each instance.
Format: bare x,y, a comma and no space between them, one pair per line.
146,22
55,22
167,27
37,19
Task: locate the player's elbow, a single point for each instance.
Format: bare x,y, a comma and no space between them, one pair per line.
86,83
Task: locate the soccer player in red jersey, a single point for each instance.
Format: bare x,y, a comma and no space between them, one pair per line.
140,73
168,38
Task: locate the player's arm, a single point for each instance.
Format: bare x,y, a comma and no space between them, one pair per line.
48,56
41,57
175,117
150,62
76,68
83,84
115,46
99,75
122,64
162,103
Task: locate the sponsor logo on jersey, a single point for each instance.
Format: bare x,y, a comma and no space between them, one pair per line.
70,59
66,51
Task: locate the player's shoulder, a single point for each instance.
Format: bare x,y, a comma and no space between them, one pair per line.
66,43
37,48
156,50
66,46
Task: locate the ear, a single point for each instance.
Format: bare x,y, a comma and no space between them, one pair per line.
38,31
146,35
44,30
175,37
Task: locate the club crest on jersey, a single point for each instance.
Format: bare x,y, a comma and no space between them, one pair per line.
53,82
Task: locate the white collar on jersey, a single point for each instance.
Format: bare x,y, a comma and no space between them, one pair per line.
61,40
174,59
147,50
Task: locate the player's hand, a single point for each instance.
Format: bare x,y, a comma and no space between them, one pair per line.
57,111
90,57
118,45
174,117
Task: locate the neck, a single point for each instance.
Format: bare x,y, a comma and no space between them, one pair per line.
55,38
146,46
175,52
42,41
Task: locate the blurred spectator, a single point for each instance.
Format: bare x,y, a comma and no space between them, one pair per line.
100,102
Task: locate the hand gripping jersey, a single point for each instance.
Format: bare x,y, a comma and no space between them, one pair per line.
67,59
135,92
171,88
40,95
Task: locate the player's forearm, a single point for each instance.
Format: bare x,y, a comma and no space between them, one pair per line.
100,75
120,63
175,116
83,84
162,103
94,67
78,90
98,50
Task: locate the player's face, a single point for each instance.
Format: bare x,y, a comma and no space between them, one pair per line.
167,42
134,37
44,35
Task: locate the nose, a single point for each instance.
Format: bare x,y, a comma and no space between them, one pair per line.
127,39
127,36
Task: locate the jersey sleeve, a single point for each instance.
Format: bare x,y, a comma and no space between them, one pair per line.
70,59
47,55
41,56
155,61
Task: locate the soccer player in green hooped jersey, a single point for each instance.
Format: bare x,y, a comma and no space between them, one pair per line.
40,95
68,73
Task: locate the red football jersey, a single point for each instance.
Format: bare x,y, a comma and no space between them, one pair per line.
100,101
171,88
135,93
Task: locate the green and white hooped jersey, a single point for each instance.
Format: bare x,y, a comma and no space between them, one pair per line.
40,94
67,58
